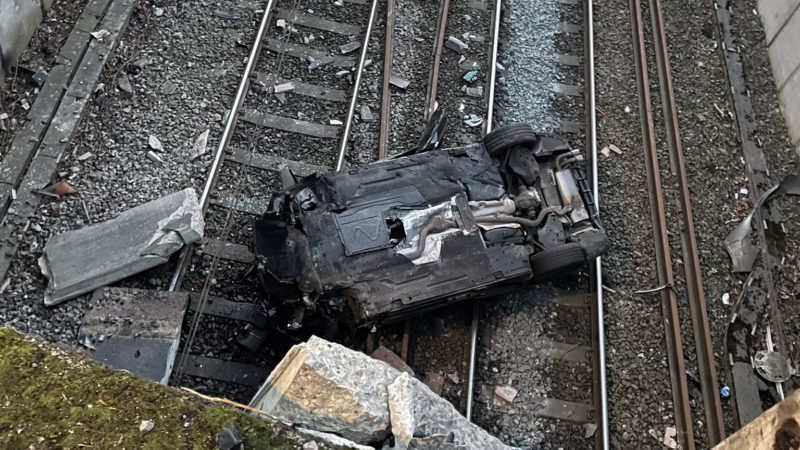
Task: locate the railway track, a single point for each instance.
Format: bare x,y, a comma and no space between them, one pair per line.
712,412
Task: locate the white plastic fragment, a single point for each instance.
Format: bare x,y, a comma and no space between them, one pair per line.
336,122
146,426
154,143
153,156
200,144
726,299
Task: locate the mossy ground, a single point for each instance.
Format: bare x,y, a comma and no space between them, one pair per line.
51,399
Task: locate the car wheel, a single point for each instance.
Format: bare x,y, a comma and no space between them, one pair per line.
555,262
509,136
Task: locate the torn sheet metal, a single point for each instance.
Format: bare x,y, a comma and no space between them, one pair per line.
80,261
135,330
738,243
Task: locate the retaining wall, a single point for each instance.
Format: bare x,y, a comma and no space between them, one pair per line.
18,21
782,28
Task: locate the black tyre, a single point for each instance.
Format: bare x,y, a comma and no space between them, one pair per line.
509,136
555,262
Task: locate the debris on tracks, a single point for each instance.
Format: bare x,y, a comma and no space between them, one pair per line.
100,34
200,144
284,87
229,438
389,357
40,77
79,261
606,151
350,47
453,43
399,82
58,190
505,393
336,122
153,156
168,88
366,114
476,92
473,120
470,76
135,330
154,143
334,389
321,62
224,15
125,84
146,426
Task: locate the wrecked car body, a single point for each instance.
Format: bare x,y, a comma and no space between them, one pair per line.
405,235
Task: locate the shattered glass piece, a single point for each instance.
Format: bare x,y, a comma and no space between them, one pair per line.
136,330
112,250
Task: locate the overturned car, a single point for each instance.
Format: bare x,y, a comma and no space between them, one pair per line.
404,235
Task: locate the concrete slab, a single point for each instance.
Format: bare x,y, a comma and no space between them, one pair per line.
138,239
789,100
783,51
774,15
23,147
135,330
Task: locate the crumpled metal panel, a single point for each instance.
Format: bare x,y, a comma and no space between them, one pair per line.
79,261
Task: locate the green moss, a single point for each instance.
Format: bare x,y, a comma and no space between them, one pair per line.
50,399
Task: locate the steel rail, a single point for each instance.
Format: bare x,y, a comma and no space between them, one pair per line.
694,285
233,117
433,84
388,54
473,340
677,368
360,71
602,439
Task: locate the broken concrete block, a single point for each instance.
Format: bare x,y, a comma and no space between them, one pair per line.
399,82
389,357
366,114
330,388
350,47
285,87
476,92
401,411
80,261
135,330
505,393
321,62
453,43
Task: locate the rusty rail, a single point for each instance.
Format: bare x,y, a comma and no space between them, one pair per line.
388,53
694,285
437,59
677,369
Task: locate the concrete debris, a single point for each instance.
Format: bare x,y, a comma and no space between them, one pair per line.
333,440
84,156
200,144
606,151
473,121
153,156
342,73
590,427
615,149
168,88
476,92
366,114
25,105
389,357
224,15
505,393
310,445
399,82
330,388
136,240
350,47
229,439
159,12
100,34
135,330
284,87
401,411
726,299
336,122
146,426
280,23
453,43
125,84
321,62
669,437
281,98
154,143
40,77
454,378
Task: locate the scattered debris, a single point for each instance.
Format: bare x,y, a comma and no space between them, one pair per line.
284,87
136,240
310,445
505,393
336,122
366,114
627,109
471,76
200,144
350,47
154,143
454,378
321,62
62,189
476,92
25,105
153,156
454,43
168,88
606,151
342,73
40,77
125,84
669,437
146,426
773,366
145,324
434,381
3,118
331,388
399,82
100,35
5,285
590,427
84,156
389,357
229,438
281,98
281,23
473,121
159,12
462,59
224,15
726,299
615,149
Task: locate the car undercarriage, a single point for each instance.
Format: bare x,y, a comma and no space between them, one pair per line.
408,234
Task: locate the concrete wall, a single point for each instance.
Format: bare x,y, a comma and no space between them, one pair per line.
782,28
18,21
